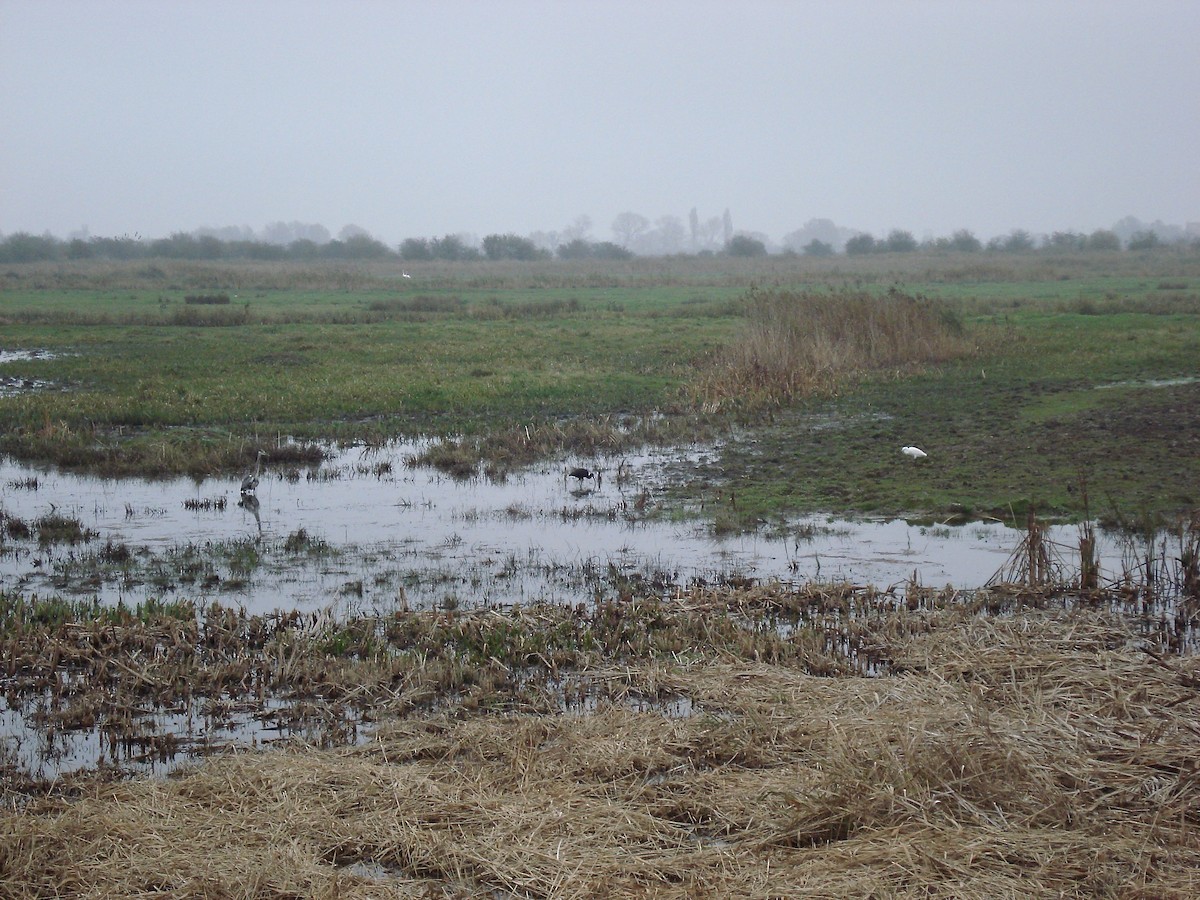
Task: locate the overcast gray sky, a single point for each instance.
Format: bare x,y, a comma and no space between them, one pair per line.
421,119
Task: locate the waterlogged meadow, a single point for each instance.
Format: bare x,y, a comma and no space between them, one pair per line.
1026,376
998,637
371,528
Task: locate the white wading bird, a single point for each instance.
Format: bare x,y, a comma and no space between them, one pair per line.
914,452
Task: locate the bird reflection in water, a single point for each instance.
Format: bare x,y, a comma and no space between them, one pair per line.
250,503
580,475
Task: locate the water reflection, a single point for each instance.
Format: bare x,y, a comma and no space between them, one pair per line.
366,531
249,502
11,385
366,527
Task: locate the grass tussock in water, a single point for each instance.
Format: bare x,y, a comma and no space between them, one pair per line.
141,450
798,343
502,450
1039,756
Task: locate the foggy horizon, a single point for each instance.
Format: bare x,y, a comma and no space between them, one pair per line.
418,120
550,239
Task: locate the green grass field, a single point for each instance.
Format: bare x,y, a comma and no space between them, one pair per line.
1079,374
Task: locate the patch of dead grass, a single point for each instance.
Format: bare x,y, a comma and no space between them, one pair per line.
798,343
1036,755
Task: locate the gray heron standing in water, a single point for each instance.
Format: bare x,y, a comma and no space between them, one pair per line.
250,482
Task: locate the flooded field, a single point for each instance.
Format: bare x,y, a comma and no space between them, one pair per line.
363,585
368,528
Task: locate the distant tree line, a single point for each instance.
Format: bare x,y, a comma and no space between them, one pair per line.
1016,241
24,247
821,237
636,236
963,241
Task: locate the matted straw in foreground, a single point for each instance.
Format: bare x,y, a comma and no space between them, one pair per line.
1033,756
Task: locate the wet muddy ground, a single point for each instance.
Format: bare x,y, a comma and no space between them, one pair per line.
366,586
12,384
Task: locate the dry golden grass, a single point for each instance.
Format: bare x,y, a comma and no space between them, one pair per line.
1036,756
800,343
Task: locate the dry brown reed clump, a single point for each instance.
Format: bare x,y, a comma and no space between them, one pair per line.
800,343
1030,756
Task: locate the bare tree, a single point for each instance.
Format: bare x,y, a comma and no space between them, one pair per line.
671,234
627,227
546,240
577,230
710,233
823,231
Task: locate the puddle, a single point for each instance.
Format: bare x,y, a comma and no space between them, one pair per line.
158,741
1150,383
7,356
365,530
11,385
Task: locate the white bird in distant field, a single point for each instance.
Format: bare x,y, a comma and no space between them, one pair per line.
914,452
405,275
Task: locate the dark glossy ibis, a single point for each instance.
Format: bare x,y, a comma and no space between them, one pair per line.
579,474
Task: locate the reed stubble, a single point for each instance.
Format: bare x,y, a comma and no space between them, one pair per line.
1041,754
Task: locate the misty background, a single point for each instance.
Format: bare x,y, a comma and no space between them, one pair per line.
658,128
